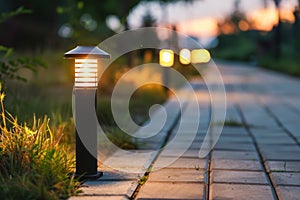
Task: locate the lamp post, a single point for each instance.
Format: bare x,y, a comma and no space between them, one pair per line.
185,56
166,60
200,56
85,108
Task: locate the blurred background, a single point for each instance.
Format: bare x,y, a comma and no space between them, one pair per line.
255,31
36,82
35,34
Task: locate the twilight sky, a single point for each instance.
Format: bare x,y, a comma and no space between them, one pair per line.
181,11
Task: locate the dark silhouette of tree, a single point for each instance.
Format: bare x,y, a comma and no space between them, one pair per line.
148,20
277,32
296,26
40,29
230,24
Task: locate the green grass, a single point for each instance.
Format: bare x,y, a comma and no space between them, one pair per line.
143,180
286,64
196,167
33,162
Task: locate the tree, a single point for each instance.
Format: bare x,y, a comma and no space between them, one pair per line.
9,67
277,32
231,23
41,27
296,26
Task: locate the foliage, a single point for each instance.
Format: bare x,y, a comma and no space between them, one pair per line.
19,11
9,67
235,47
230,23
285,64
57,23
33,163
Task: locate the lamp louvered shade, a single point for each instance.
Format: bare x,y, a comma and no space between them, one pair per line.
86,65
86,73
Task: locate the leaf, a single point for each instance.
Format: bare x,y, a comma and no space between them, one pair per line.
80,5
19,11
8,52
59,9
3,48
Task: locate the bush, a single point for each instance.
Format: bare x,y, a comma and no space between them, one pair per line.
33,164
286,65
235,47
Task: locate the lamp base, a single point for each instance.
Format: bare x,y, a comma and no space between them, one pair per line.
89,177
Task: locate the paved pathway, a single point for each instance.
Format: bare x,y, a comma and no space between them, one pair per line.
256,157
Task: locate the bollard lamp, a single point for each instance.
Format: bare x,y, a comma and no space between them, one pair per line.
185,56
87,62
166,58
200,56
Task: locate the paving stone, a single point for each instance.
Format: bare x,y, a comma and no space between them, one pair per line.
283,166
234,146
137,153
226,176
154,190
105,188
181,175
275,140
234,155
196,145
240,192
275,131
234,130
128,161
237,139
288,192
293,128
278,148
116,175
114,197
184,138
178,153
235,134
183,163
286,178
236,165
282,155
184,144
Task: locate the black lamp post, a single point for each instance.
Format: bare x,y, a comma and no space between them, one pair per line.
85,107
166,60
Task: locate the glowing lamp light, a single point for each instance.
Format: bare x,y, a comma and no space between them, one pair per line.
185,56
200,56
86,73
166,58
86,65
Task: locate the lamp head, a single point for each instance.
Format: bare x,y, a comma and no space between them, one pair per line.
200,56
166,58
86,65
185,56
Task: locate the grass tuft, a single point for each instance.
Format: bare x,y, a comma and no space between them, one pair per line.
33,163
